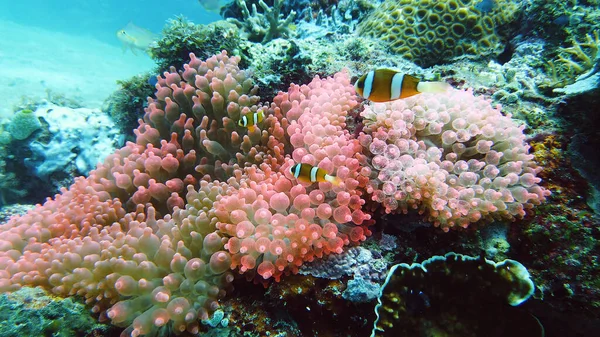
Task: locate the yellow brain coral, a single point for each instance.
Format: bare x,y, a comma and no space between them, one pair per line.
429,32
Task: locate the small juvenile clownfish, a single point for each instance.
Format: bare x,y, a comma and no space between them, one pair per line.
251,120
384,85
311,174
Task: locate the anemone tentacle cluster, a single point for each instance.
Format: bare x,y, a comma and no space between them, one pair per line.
451,156
150,239
274,222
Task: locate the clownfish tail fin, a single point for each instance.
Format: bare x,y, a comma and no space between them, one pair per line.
335,181
433,87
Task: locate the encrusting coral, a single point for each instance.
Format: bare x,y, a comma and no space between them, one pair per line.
152,237
429,32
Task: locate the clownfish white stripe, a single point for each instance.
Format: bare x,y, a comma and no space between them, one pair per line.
255,118
369,84
244,120
297,171
313,174
396,89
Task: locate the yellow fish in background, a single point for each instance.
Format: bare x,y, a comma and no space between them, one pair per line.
384,85
214,5
250,120
136,38
307,173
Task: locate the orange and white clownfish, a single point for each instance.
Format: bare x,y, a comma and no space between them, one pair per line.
311,174
384,85
251,120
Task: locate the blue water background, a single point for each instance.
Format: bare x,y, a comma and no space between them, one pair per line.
101,19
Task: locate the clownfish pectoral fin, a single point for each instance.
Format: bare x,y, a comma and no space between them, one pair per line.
251,128
433,87
335,181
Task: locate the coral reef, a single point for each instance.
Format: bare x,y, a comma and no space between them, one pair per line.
22,124
575,67
10,189
559,245
266,26
277,64
340,18
567,29
32,312
163,237
358,262
126,105
153,238
180,37
584,54
430,32
13,209
68,142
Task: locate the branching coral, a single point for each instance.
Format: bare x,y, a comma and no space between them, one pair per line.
265,26
584,52
573,61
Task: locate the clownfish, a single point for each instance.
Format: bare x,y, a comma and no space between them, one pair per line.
251,120
311,174
384,85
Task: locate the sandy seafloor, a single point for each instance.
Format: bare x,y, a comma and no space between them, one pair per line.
34,60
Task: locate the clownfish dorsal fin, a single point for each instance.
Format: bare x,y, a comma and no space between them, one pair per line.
387,71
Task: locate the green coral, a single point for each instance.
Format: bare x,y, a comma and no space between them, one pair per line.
126,105
32,312
574,61
277,64
181,37
266,26
9,186
23,124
